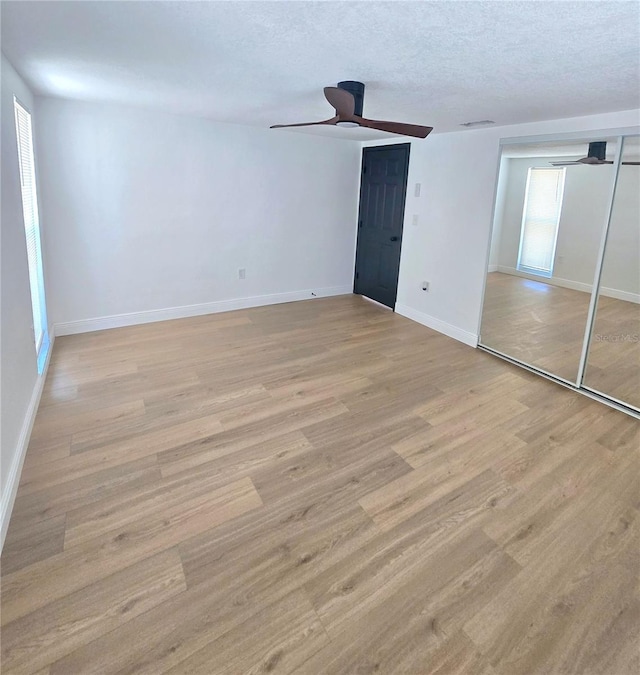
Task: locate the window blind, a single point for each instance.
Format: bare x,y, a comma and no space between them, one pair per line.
540,219
31,223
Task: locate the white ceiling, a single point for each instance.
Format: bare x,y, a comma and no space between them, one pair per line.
262,63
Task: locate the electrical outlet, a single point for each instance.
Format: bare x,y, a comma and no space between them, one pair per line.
242,273
417,190
425,286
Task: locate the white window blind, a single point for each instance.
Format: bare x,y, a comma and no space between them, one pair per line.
31,223
540,219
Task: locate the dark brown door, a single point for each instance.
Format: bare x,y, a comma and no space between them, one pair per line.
382,195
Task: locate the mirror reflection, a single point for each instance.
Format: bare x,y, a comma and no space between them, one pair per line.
613,364
551,205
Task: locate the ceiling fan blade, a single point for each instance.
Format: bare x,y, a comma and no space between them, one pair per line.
593,160
341,100
333,120
592,163
415,130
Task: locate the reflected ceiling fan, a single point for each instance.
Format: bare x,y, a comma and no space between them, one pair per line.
347,99
597,154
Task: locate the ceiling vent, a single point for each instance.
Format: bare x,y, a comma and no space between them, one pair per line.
478,123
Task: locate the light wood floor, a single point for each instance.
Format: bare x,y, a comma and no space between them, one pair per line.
318,487
543,325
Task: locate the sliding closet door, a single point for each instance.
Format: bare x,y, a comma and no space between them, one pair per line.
613,363
550,214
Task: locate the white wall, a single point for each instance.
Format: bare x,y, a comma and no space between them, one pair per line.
449,246
620,269
19,380
501,196
148,211
584,208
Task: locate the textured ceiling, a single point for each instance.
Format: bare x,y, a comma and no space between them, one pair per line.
261,63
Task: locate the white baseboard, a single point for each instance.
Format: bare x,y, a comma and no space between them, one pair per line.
492,268
573,285
437,324
620,295
13,479
149,316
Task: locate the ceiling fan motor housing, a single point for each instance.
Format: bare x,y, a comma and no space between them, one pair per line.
598,150
356,89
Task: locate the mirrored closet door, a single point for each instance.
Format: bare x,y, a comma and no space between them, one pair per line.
613,362
556,235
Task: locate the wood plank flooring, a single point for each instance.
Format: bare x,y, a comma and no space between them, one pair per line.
543,325
318,487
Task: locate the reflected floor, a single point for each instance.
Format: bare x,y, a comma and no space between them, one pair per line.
543,326
613,366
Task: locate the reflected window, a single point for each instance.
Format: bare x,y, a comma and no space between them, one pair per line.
540,220
26,164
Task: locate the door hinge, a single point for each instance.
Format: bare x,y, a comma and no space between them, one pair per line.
359,223
364,169
357,275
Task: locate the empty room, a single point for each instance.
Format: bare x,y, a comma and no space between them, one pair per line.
320,337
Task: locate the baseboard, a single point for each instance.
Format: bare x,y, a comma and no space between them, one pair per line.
492,268
185,311
573,285
438,325
13,479
620,295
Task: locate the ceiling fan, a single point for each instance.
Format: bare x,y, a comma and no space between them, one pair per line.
596,155
347,99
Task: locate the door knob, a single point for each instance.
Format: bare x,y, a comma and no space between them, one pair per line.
394,239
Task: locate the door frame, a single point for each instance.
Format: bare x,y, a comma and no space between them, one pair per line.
365,151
